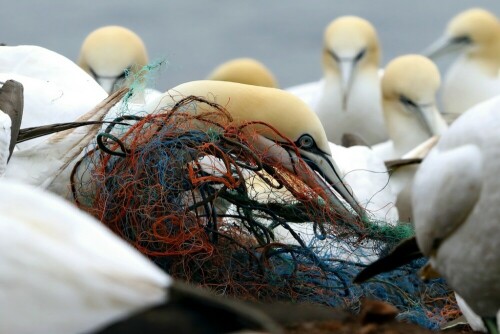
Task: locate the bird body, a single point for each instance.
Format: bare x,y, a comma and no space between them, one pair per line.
48,164
365,173
455,196
39,63
56,90
359,112
47,103
466,84
63,271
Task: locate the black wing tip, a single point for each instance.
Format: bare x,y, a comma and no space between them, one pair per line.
405,252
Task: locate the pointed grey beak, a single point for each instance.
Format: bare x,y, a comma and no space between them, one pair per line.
346,66
318,171
326,174
445,45
107,83
425,114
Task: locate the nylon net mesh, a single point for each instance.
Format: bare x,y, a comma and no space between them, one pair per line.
193,193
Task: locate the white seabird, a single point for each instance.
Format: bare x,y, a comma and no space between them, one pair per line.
475,76
409,88
62,271
348,98
111,53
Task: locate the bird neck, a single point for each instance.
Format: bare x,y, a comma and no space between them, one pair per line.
403,129
487,56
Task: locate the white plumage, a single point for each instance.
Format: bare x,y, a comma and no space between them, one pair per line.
475,76
56,90
455,201
62,271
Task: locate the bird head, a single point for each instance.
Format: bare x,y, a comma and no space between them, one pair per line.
110,53
291,119
350,45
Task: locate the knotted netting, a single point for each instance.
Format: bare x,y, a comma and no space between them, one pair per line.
193,192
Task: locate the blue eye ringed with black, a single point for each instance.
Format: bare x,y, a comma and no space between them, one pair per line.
407,102
305,142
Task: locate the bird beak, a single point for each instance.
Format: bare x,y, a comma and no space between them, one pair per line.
346,67
107,83
443,46
425,114
318,171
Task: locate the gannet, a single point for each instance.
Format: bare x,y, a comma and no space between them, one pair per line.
409,87
287,114
56,90
110,53
362,171
474,77
246,71
348,99
65,272
455,209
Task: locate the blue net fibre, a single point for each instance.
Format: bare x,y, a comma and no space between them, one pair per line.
191,192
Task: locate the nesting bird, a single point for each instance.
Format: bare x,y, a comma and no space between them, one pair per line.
288,115
362,171
455,209
246,71
109,53
348,99
474,77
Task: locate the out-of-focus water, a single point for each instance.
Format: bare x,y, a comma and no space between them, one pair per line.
195,36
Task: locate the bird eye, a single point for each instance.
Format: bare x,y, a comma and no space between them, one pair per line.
360,55
306,141
462,40
333,55
407,102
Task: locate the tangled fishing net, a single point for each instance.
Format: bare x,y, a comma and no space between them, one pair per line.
192,193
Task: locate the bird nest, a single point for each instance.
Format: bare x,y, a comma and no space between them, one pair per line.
190,191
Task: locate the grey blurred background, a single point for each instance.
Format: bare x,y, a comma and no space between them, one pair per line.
195,36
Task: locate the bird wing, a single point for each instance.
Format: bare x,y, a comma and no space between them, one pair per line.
402,254
446,188
61,270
